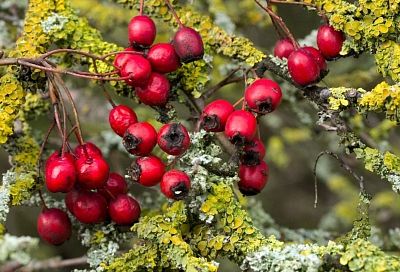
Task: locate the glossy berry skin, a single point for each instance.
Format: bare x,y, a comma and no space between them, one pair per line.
175,184
124,210
70,199
155,92
138,69
253,152
120,118
87,149
141,31
90,207
283,48
114,186
253,178
215,115
60,173
163,58
303,68
54,226
140,139
147,171
240,127
317,56
330,41
173,139
93,171
263,96
121,58
188,44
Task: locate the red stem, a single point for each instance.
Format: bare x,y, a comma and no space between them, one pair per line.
171,8
141,7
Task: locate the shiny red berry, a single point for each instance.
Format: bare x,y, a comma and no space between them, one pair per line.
141,31
330,41
70,199
303,68
121,58
240,127
263,96
188,44
253,152
317,56
114,186
215,114
92,171
120,118
60,173
90,207
283,48
124,210
155,92
175,184
87,149
173,139
147,171
54,226
138,69
253,178
140,139
163,58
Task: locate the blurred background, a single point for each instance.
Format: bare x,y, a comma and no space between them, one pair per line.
292,138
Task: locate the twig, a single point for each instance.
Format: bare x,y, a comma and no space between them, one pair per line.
227,80
171,8
53,263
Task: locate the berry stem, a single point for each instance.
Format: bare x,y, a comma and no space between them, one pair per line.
238,102
171,8
42,200
106,94
141,7
46,138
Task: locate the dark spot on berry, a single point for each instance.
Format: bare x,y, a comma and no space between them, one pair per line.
249,191
264,106
134,171
175,136
250,158
180,191
238,140
131,142
211,122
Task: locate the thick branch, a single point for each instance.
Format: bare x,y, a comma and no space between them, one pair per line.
53,263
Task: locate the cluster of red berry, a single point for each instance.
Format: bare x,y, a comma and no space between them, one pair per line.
240,126
307,64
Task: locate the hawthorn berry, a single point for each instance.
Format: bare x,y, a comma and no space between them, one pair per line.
188,44
114,186
263,96
240,127
317,56
173,139
60,173
175,184
163,58
253,152
121,58
330,41
87,149
90,207
155,92
54,226
283,48
215,114
303,68
70,199
253,178
141,31
140,138
138,69
92,171
120,118
124,210
147,171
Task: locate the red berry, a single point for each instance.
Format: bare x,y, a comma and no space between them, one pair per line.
120,118
140,139
148,171
124,210
215,114
114,186
188,44
70,199
173,139
163,58
303,68
87,149
253,178
330,41
253,152
317,56
240,127
60,173
141,31
90,207
92,171
283,48
263,96
155,92
54,226
138,69
121,58
175,184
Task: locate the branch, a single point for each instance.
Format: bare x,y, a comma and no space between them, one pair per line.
227,80
52,263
